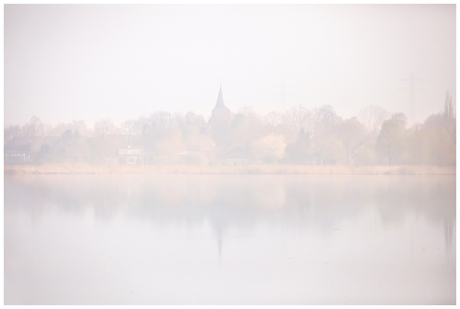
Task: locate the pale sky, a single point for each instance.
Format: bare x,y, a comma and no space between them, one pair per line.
88,62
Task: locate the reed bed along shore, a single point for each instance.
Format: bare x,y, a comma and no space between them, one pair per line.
237,169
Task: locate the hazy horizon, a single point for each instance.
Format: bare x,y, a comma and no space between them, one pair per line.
66,62
230,154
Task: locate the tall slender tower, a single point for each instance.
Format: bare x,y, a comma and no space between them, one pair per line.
412,98
220,110
219,124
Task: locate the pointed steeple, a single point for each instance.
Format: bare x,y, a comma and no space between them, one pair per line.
220,99
220,105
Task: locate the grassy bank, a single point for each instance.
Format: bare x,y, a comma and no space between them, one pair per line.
239,169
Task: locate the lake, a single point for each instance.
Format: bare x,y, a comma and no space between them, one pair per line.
229,239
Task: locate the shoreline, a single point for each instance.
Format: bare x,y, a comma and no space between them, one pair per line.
236,169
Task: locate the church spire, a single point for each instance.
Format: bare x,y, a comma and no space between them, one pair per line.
220,108
220,99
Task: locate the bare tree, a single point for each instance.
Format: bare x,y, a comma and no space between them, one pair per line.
193,119
273,119
373,116
75,125
248,111
104,135
131,127
298,117
162,119
11,132
33,129
103,129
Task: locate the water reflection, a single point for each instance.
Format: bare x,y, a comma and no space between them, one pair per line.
321,209
235,200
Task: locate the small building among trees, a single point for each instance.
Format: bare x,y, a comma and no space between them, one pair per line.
129,156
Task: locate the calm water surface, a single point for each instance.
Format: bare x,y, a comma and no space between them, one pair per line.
229,239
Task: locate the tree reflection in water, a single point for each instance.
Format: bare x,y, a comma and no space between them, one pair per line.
239,201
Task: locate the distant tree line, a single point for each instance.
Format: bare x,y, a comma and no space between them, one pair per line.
299,136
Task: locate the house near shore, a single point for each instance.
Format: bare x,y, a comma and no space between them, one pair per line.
24,149
129,155
111,159
17,152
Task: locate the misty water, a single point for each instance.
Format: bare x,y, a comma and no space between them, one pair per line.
229,239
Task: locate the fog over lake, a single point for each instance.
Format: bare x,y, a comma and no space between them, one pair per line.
229,239
226,154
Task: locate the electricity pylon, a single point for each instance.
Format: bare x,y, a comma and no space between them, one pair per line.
412,80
